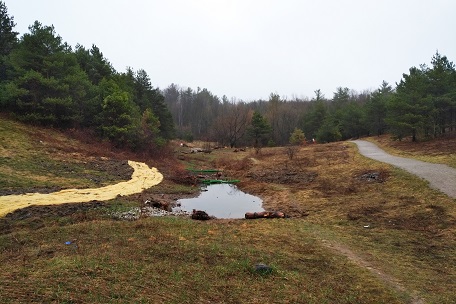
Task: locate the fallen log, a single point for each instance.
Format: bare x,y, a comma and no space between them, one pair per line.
265,214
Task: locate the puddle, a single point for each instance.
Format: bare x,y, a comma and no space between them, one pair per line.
223,201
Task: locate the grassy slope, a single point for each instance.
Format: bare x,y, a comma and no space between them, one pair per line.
40,160
323,254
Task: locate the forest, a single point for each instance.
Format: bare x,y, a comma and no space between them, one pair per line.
45,81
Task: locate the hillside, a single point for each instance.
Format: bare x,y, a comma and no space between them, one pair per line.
350,238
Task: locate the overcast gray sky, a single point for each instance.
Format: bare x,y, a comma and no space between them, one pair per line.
250,48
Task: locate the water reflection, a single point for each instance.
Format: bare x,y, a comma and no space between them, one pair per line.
223,201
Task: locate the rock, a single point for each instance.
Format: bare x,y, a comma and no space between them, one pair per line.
200,215
263,269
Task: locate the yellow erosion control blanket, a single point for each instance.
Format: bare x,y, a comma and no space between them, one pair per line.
142,178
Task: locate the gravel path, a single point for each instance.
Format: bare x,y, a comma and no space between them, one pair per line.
441,177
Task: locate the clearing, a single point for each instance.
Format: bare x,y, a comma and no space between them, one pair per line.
360,231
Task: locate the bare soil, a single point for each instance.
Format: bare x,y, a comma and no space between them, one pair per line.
142,178
35,217
114,169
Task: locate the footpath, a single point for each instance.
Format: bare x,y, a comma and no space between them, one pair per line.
440,177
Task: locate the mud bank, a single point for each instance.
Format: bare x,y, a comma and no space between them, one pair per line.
142,178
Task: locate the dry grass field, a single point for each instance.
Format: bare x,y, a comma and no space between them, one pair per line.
359,231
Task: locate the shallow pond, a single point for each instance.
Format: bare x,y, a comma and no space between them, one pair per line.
223,201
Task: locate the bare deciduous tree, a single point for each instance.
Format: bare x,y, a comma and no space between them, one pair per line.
230,127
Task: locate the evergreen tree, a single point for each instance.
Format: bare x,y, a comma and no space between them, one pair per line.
8,39
341,97
259,130
329,131
314,117
147,97
376,109
120,119
410,112
48,85
297,137
352,121
442,92
93,63
149,131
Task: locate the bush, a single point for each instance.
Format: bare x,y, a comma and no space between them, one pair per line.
297,137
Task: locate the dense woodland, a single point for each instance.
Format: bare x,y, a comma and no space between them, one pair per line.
44,81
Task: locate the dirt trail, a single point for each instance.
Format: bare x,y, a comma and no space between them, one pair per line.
441,177
142,178
376,271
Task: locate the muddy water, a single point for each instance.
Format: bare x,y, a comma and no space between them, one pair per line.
142,178
223,201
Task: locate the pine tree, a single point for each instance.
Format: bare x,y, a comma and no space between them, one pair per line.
259,129
8,39
410,112
297,137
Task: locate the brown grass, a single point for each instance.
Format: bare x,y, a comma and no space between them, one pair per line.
167,260
409,227
350,239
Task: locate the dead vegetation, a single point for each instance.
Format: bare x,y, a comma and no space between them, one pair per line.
441,150
360,232
316,171
375,207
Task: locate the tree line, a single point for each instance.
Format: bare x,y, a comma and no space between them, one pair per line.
45,81
420,107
